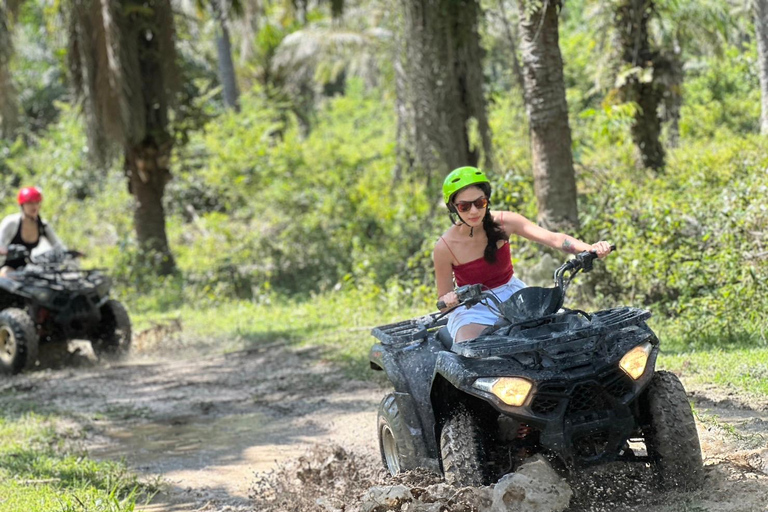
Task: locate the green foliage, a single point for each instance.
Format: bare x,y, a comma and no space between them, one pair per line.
279,210
690,242
722,96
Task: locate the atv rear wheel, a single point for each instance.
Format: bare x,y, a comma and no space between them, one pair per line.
462,449
114,335
18,341
394,444
672,441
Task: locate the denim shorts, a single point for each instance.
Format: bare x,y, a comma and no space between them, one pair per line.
480,313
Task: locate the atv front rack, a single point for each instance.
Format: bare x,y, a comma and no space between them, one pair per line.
407,331
518,341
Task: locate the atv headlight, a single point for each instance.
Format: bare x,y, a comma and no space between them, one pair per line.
41,294
510,390
635,360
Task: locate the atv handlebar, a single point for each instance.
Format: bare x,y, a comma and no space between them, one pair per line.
465,293
583,261
18,251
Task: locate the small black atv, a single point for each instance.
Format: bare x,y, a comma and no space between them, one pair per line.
579,388
49,300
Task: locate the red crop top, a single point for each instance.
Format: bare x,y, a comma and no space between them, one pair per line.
480,271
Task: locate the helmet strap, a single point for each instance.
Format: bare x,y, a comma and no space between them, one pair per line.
451,212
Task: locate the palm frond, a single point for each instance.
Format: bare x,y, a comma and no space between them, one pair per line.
301,54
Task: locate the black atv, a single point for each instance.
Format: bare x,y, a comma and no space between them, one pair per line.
49,300
579,388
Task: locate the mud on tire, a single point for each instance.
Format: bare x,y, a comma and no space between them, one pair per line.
671,440
113,338
462,449
18,341
394,443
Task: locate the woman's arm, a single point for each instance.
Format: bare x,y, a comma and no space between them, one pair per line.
442,259
8,227
514,223
54,240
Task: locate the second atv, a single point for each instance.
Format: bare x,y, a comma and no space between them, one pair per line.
50,301
579,388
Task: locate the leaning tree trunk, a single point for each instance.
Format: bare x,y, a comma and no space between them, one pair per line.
443,93
224,50
640,85
761,31
553,174
146,167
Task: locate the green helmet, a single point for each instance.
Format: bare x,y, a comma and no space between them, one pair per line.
460,178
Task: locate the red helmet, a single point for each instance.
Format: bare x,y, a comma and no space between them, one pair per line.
30,195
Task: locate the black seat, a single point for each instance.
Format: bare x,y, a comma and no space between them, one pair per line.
444,336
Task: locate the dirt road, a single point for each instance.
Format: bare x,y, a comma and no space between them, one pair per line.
210,426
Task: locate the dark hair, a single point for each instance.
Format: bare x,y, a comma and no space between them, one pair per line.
493,230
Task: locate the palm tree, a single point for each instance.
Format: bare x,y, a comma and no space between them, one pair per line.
644,44
317,60
9,107
441,87
122,60
227,75
761,32
547,109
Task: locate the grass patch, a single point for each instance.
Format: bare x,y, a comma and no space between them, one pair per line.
745,369
41,472
339,322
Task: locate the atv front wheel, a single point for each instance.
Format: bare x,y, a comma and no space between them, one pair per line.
18,341
672,441
394,444
463,450
114,335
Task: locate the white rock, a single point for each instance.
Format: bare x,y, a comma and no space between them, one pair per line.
534,487
381,499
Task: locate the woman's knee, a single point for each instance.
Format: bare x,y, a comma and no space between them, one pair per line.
469,332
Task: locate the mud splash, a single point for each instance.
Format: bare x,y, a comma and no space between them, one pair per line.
331,479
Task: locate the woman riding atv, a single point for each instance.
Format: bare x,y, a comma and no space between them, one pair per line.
25,228
483,256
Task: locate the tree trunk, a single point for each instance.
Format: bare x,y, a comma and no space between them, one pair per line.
512,37
227,75
672,95
147,159
761,31
443,93
553,174
641,85
146,166
9,106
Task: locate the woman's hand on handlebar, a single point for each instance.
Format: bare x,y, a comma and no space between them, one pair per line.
448,300
602,248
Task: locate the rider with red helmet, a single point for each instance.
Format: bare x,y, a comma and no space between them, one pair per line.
25,228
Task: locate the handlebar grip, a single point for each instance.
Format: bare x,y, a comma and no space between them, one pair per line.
441,304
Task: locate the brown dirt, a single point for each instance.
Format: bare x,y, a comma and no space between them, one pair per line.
276,428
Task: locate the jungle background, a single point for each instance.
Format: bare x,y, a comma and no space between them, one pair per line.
254,168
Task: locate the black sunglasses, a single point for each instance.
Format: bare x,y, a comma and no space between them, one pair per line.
465,206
